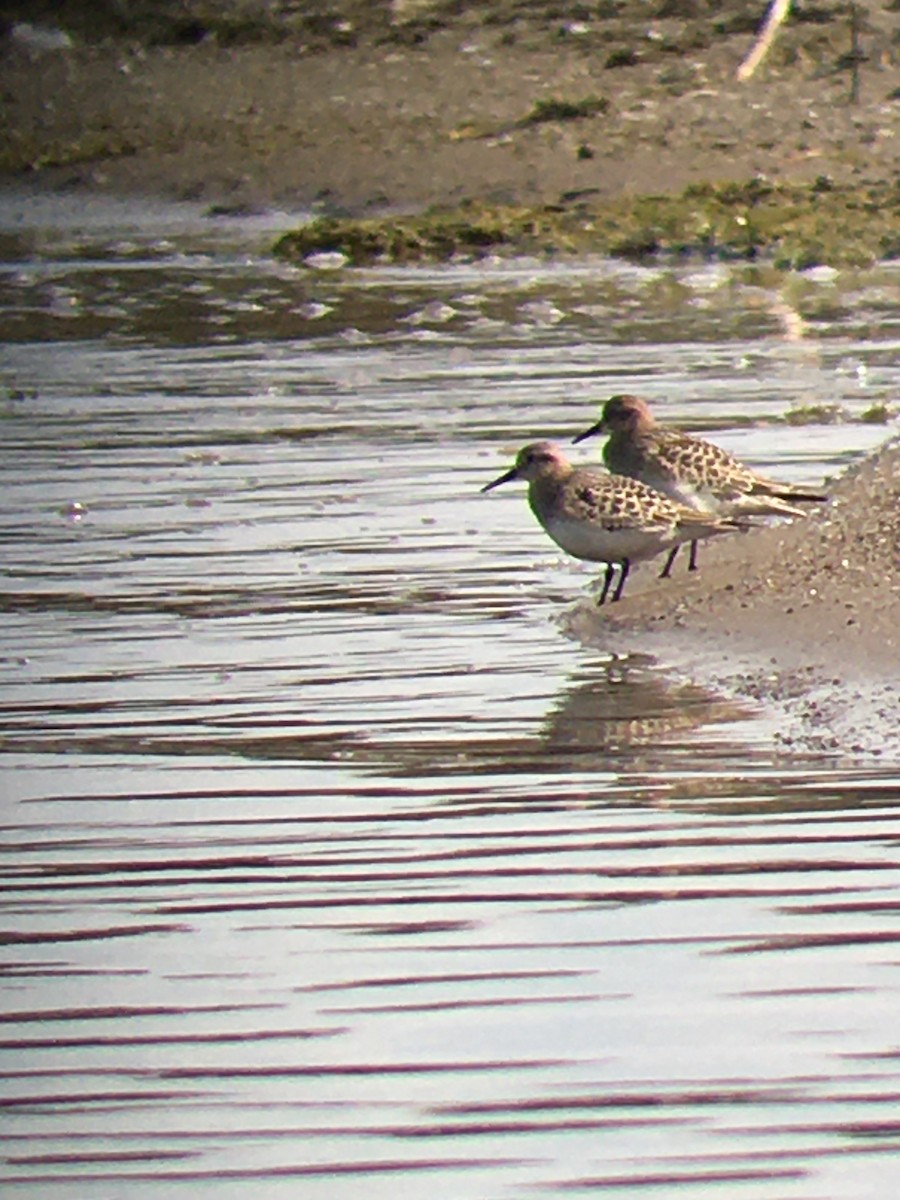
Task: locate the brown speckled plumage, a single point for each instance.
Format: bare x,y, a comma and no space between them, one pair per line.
607,518
688,469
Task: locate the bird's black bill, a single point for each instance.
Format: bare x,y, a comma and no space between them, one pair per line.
808,497
507,478
597,427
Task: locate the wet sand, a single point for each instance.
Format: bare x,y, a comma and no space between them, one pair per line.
804,614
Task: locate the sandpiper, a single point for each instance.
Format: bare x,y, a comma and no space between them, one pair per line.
688,469
605,518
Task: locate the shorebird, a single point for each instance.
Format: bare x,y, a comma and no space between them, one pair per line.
605,518
688,469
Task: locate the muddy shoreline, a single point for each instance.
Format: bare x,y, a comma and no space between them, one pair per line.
521,107
535,128
802,615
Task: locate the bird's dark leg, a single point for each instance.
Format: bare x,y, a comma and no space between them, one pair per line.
607,582
692,561
624,568
667,569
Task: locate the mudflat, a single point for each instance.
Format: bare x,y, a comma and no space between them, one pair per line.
406,105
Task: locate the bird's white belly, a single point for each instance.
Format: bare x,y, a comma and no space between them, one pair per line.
595,544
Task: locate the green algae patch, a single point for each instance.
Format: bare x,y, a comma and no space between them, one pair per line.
817,414
543,112
438,235
877,414
19,154
564,110
793,226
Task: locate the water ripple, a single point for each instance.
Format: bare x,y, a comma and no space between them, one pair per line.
327,861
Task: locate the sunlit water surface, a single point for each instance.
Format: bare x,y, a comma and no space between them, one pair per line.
333,868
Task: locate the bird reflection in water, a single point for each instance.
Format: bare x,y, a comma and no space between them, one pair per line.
622,714
625,704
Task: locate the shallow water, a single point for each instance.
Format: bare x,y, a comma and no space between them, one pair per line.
332,866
